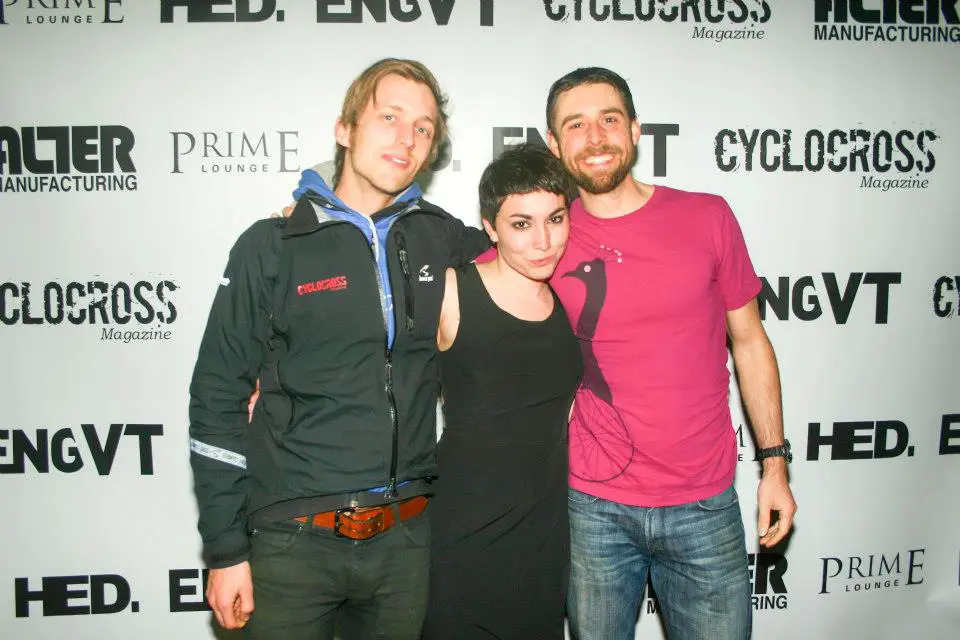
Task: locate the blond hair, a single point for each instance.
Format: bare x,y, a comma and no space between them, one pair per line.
363,89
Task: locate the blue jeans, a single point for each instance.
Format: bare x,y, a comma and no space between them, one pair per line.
694,555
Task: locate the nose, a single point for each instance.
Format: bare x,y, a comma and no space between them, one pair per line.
405,136
594,134
541,242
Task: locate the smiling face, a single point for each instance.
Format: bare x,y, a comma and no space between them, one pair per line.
595,139
391,141
531,232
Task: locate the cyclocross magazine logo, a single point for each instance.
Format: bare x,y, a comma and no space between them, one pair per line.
123,311
883,159
439,12
60,12
717,20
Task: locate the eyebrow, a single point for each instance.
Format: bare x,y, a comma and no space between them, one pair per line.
524,216
397,107
574,116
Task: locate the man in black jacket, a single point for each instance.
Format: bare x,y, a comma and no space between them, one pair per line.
319,505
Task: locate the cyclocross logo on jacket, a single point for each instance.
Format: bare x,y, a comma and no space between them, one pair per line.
336,283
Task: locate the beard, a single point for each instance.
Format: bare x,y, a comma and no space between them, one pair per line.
597,184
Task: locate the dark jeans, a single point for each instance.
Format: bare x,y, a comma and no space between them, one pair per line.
306,581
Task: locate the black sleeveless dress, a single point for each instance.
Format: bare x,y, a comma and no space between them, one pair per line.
500,551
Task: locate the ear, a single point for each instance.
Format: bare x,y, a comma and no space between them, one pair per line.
552,144
490,231
635,131
341,133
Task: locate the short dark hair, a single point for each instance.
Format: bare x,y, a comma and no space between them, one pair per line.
588,75
522,169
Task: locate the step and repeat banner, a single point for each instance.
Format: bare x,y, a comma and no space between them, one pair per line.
138,138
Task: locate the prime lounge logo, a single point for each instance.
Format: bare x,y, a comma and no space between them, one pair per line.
53,159
717,20
61,12
122,311
877,571
884,159
654,141
928,21
327,11
235,152
66,450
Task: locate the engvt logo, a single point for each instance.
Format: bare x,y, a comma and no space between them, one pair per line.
47,153
61,450
187,589
893,21
409,11
802,297
62,11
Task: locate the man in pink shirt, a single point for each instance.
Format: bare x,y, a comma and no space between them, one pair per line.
655,280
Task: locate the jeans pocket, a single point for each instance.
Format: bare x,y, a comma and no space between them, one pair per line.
274,539
723,500
579,497
417,530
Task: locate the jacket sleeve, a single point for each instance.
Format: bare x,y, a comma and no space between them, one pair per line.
466,242
223,379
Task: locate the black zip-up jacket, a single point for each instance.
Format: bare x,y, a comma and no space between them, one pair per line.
339,413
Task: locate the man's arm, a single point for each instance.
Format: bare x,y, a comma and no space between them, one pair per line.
759,379
224,376
466,243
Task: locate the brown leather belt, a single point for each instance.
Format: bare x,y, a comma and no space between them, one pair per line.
366,522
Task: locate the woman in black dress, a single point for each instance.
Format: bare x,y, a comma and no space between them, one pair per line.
510,365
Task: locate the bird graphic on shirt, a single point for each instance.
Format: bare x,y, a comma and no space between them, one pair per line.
598,434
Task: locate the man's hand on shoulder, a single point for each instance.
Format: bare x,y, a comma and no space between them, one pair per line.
774,495
230,595
286,212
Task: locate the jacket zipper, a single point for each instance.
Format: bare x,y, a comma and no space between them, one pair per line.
407,281
374,246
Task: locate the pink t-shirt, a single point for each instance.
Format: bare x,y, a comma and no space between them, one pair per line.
647,294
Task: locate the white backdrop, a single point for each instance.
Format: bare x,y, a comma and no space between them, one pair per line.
167,104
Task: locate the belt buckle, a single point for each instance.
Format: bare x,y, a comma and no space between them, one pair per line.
360,529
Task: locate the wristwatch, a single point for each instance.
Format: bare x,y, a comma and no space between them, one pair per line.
782,451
